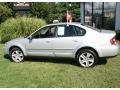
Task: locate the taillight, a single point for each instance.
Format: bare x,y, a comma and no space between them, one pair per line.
113,41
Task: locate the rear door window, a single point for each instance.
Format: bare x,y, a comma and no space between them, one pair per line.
65,31
80,31
61,31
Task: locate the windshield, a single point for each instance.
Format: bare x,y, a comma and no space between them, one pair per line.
26,36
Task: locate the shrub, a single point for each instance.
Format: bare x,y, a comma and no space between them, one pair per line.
117,35
19,27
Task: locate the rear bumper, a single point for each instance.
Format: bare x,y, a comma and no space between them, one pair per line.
109,51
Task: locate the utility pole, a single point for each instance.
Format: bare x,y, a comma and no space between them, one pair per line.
117,17
82,14
92,12
102,14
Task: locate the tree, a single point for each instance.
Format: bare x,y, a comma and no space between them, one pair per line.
73,8
51,11
109,23
5,12
40,10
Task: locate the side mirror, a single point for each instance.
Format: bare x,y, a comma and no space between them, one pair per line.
30,38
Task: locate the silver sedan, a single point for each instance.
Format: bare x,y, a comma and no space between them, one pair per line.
83,43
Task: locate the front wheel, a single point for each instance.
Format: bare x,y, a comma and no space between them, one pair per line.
16,55
87,58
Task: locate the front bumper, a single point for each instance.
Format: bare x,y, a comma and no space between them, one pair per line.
6,51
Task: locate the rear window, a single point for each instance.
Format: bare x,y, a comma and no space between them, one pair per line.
79,31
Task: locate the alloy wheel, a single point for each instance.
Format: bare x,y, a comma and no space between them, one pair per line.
86,59
17,55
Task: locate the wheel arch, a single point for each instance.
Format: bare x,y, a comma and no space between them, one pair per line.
18,46
87,47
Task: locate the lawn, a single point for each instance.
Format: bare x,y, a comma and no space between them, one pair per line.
49,72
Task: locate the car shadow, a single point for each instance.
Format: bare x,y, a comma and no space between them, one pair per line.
6,56
102,61
52,60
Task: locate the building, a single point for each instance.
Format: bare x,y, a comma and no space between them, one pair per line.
21,7
103,15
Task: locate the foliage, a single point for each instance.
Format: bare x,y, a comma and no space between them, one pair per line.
49,11
40,10
5,12
18,27
109,23
75,10
117,35
52,11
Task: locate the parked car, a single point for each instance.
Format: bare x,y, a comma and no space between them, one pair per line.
73,40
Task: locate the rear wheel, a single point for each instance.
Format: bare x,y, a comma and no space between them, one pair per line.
16,55
87,58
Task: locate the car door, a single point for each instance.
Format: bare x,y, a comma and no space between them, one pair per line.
67,40
40,44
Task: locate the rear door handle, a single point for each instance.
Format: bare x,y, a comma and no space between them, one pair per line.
75,41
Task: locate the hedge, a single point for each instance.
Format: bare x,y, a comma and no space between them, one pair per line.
19,27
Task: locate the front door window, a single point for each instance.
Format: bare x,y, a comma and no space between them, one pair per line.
46,32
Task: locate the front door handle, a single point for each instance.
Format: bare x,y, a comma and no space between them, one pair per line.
47,41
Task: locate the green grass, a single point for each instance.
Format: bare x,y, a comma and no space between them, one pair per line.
58,73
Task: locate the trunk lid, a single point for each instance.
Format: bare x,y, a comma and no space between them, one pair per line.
108,36
107,32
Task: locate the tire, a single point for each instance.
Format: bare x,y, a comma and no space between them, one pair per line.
16,55
87,58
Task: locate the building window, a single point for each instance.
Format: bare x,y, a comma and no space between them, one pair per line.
88,13
100,15
109,15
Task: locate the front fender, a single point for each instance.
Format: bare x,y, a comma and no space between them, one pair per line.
22,47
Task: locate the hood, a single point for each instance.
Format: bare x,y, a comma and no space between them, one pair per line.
17,39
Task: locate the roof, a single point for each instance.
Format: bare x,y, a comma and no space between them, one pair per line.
64,23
